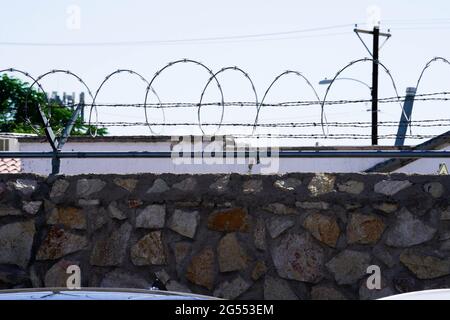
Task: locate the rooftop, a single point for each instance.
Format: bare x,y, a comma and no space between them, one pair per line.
133,139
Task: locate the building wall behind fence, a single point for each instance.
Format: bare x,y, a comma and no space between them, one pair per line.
296,236
139,165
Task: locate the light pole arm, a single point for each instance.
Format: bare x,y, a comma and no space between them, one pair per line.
327,81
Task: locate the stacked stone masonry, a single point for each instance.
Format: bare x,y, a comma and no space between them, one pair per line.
297,236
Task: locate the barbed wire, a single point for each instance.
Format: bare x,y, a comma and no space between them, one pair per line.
194,62
355,124
94,104
352,63
427,65
277,78
168,105
55,143
334,136
107,78
239,70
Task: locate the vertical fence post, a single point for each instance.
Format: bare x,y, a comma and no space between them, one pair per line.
56,163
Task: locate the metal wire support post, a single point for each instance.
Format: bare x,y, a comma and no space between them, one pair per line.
405,118
56,163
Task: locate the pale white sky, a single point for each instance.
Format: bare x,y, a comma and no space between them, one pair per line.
420,31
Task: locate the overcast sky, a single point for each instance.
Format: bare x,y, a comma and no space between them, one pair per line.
94,38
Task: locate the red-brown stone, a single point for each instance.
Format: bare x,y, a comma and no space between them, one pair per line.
231,220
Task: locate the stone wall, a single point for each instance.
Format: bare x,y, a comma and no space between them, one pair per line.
298,236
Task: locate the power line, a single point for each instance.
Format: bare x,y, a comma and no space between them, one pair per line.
236,38
447,27
177,41
417,21
404,24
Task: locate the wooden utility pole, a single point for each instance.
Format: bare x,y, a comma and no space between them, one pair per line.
374,89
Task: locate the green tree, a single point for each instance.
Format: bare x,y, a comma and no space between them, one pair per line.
19,110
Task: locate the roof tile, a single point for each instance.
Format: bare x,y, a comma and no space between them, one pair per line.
8,165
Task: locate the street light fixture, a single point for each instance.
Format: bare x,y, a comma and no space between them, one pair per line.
328,81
